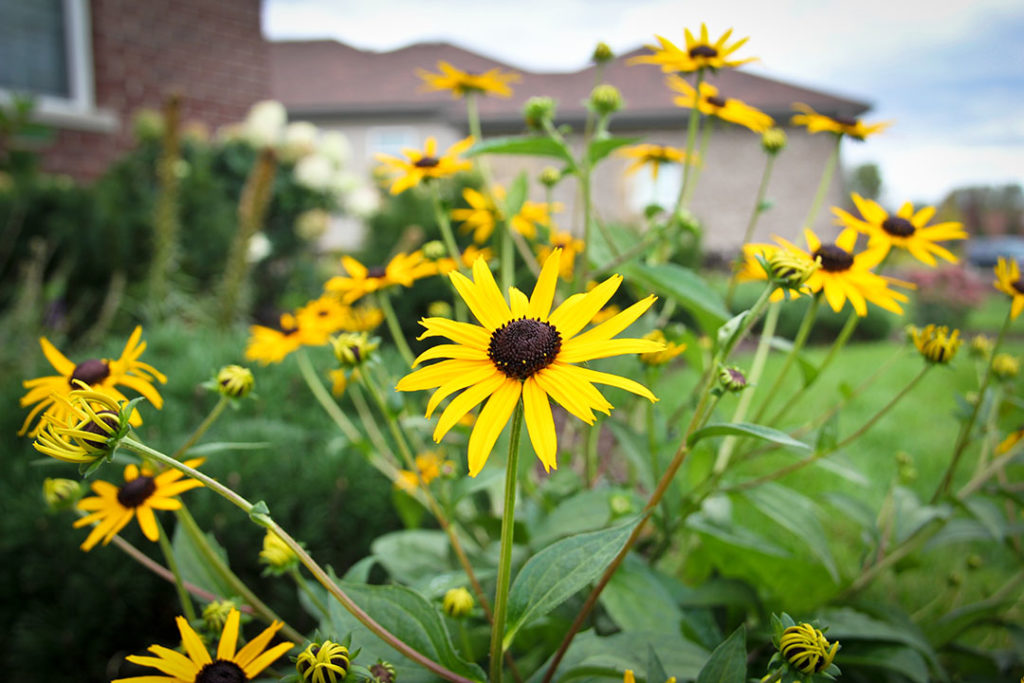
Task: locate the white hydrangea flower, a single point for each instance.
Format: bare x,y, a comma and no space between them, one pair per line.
265,123
335,146
300,139
314,171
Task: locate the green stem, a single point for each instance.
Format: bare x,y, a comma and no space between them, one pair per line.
384,302
467,648
798,344
449,241
965,432
325,399
304,586
755,214
746,398
705,137
498,645
201,429
214,562
691,140
823,185
179,585
590,455
264,520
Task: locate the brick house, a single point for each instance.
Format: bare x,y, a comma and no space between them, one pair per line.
92,63
378,101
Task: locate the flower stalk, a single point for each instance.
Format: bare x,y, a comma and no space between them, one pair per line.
383,302
188,609
505,560
755,214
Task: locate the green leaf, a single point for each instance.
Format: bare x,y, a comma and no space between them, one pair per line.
899,658
585,511
808,370
554,574
798,514
535,145
846,623
601,148
680,657
989,515
635,599
734,535
746,429
516,195
410,556
655,669
220,446
952,625
728,663
260,513
683,286
410,617
193,568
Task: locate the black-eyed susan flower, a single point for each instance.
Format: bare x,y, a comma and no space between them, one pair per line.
710,103
276,555
60,493
104,375
789,270
321,317
424,165
806,649
905,229
844,275
732,379
522,350
670,350
403,269
1008,281
840,125
93,423
269,345
229,665
429,466
469,255
235,381
654,156
143,491
326,662
700,53
483,214
1011,440
458,603
460,83
936,343
569,245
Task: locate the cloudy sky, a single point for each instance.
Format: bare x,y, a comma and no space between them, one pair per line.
949,74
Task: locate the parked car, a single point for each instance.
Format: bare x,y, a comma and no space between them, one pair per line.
984,252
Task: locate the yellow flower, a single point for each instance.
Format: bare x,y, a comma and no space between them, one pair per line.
570,246
711,104
92,420
403,269
905,229
469,255
935,343
101,375
429,465
458,603
276,554
628,677
840,125
418,166
325,662
269,345
806,649
670,350
142,492
493,82
320,318
1011,440
483,214
1007,281
1005,366
524,350
196,665
699,53
653,156
234,381
844,275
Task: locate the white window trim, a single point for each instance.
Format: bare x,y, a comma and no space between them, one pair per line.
79,110
374,132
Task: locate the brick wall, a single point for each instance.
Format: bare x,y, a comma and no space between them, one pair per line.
211,51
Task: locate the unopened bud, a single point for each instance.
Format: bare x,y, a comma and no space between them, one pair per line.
1005,366
60,493
790,270
234,381
550,176
602,53
537,110
458,603
773,140
435,249
353,348
605,99
732,379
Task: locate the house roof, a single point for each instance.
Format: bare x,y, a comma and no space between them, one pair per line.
328,78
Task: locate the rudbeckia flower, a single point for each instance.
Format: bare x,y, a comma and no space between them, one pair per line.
569,245
493,82
469,255
840,125
142,492
102,375
196,665
653,156
403,269
905,229
522,350
699,53
418,166
483,214
1008,281
711,104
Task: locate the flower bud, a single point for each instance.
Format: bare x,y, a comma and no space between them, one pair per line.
234,381
790,270
326,662
666,354
312,224
276,554
59,494
620,504
537,110
1005,367
602,53
936,344
605,99
773,141
439,309
955,579
215,614
434,250
806,649
458,603
353,348
383,672
732,379
981,347
550,176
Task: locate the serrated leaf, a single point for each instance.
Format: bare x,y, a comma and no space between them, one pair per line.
534,145
683,286
407,615
601,148
798,514
728,662
746,429
554,574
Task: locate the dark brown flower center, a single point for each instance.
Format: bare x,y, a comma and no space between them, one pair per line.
898,227
703,51
110,419
523,346
133,494
221,671
845,120
90,371
383,673
834,259
1018,285
716,101
426,162
376,272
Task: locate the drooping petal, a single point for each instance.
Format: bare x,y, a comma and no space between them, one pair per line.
491,422
540,423
57,359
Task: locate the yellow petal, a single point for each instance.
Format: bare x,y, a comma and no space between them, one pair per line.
616,324
544,291
519,303
491,422
437,374
463,380
453,351
228,637
255,646
588,375
540,423
460,333
465,402
571,317
193,645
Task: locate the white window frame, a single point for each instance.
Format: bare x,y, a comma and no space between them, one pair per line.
79,110
375,132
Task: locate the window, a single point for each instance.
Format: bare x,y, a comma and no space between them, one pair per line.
390,140
662,191
46,52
